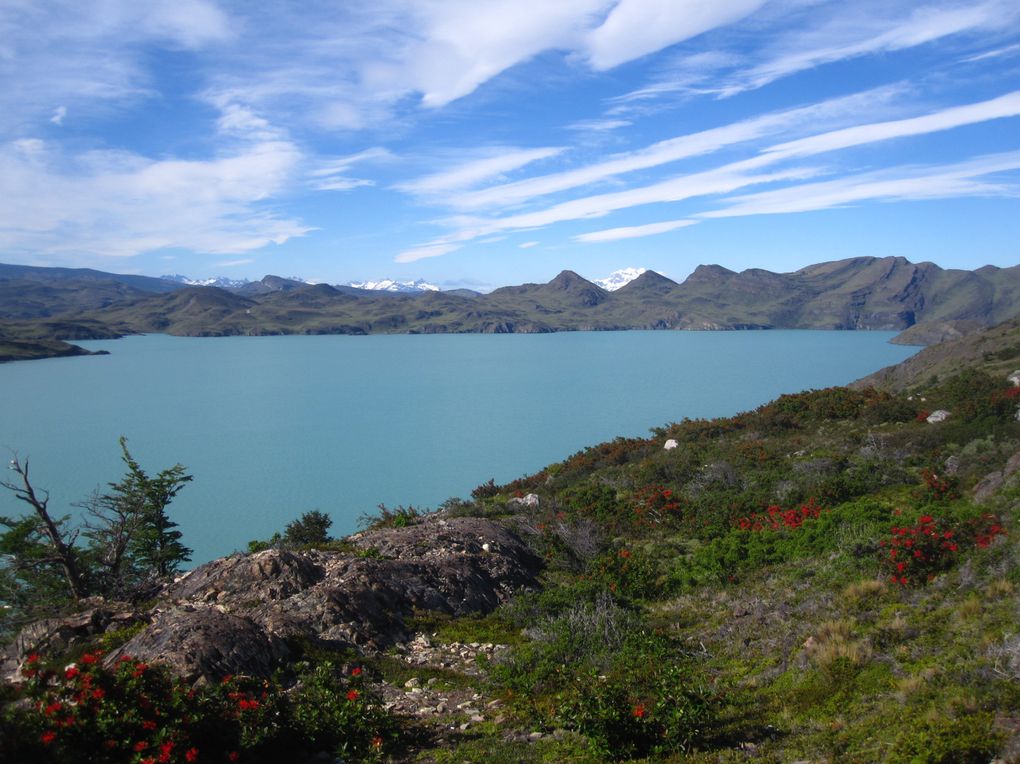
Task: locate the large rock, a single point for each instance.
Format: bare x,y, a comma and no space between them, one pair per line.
205,643
234,615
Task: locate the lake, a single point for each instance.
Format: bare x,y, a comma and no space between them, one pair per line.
272,427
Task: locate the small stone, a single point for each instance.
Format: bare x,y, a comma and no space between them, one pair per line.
412,682
477,718
535,736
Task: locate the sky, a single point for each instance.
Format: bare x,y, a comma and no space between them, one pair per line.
479,143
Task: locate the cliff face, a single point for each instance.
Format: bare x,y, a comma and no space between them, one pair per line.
237,615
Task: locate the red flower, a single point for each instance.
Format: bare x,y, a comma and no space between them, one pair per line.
352,695
925,519
191,755
99,693
140,669
148,724
356,671
233,756
247,705
48,737
377,742
140,746
90,658
71,672
53,707
32,658
638,712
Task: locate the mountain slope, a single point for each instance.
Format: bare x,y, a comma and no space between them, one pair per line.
857,293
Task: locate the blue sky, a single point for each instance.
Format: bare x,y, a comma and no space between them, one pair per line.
476,143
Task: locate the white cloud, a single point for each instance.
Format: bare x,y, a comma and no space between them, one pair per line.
896,184
633,232
58,115
330,175
599,125
467,174
635,28
424,251
996,108
528,244
120,204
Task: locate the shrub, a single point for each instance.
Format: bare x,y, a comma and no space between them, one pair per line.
137,713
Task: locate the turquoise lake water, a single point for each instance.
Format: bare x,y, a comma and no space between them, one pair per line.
271,427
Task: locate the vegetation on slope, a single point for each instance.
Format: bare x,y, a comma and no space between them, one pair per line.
827,578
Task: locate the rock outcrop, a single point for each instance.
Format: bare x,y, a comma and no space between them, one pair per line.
235,615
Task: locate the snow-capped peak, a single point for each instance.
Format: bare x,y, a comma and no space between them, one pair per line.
390,285
619,278
220,281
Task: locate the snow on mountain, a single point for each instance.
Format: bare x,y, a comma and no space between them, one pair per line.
619,278
220,281
389,285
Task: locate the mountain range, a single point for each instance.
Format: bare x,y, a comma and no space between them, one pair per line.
888,293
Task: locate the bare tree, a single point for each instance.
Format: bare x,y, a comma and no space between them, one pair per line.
58,547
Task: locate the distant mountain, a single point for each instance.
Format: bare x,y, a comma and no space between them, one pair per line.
619,278
220,281
84,275
859,293
389,285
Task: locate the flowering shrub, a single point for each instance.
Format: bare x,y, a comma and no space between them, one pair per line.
137,713
623,572
668,717
654,503
776,518
937,487
915,553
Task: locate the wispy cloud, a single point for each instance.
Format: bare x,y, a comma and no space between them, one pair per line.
527,244
811,35
425,251
896,184
675,149
496,162
331,174
635,28
633,232
722,180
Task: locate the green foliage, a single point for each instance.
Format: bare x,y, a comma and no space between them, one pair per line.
966,740
133,541
398,517
311,528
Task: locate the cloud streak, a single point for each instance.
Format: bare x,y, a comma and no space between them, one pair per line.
633,232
